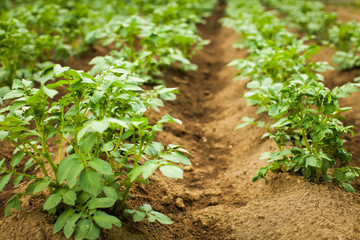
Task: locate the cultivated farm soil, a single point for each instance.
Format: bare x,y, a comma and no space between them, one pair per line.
216,199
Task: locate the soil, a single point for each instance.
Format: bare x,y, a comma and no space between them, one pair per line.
216,199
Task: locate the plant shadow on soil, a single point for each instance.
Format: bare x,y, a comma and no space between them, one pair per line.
216,199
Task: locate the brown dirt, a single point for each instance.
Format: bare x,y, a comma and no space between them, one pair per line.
216,199
346,12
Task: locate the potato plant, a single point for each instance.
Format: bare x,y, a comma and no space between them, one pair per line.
311,18
103,145
346,37
288,87
43,31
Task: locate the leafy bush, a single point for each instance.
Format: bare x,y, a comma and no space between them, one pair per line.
284,83
311,18
104,144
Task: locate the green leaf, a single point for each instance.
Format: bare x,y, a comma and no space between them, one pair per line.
148,169
47,74
70,224
69,198
4,91
88,144
4,180
58,70
100,126
138,216
260,174
145,207
17,180
156,102
27,83
312,161
176,157
13,202
340,175
132,87
70,169
16,159
242,125
87,78
168,96
278,109
168,118
111,192
100,166
37,186
161,217
135,172
118,122
348,187
52,201
62,219
83,197
14,94
151,218
105,220
85,228
49,92
90,182
154,149
171,171
253,84
3,135
101,203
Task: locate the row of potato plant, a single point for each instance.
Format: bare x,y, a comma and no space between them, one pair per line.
104,144
286,85
83,148
311,17
35,33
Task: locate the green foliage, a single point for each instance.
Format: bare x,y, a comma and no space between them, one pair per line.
105,145
311,18
145,211
307,125
33,33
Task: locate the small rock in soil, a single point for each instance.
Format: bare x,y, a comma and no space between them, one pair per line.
219,145
178,80
204,219
197,177
211,192
180,203
207,93
214,201
206,70
212,157
189,196
167,200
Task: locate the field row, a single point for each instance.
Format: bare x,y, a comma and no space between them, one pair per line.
306,126
83,137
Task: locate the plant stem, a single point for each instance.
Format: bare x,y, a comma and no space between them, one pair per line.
125,196
45,151
306,141
37,160
77,106
61,134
